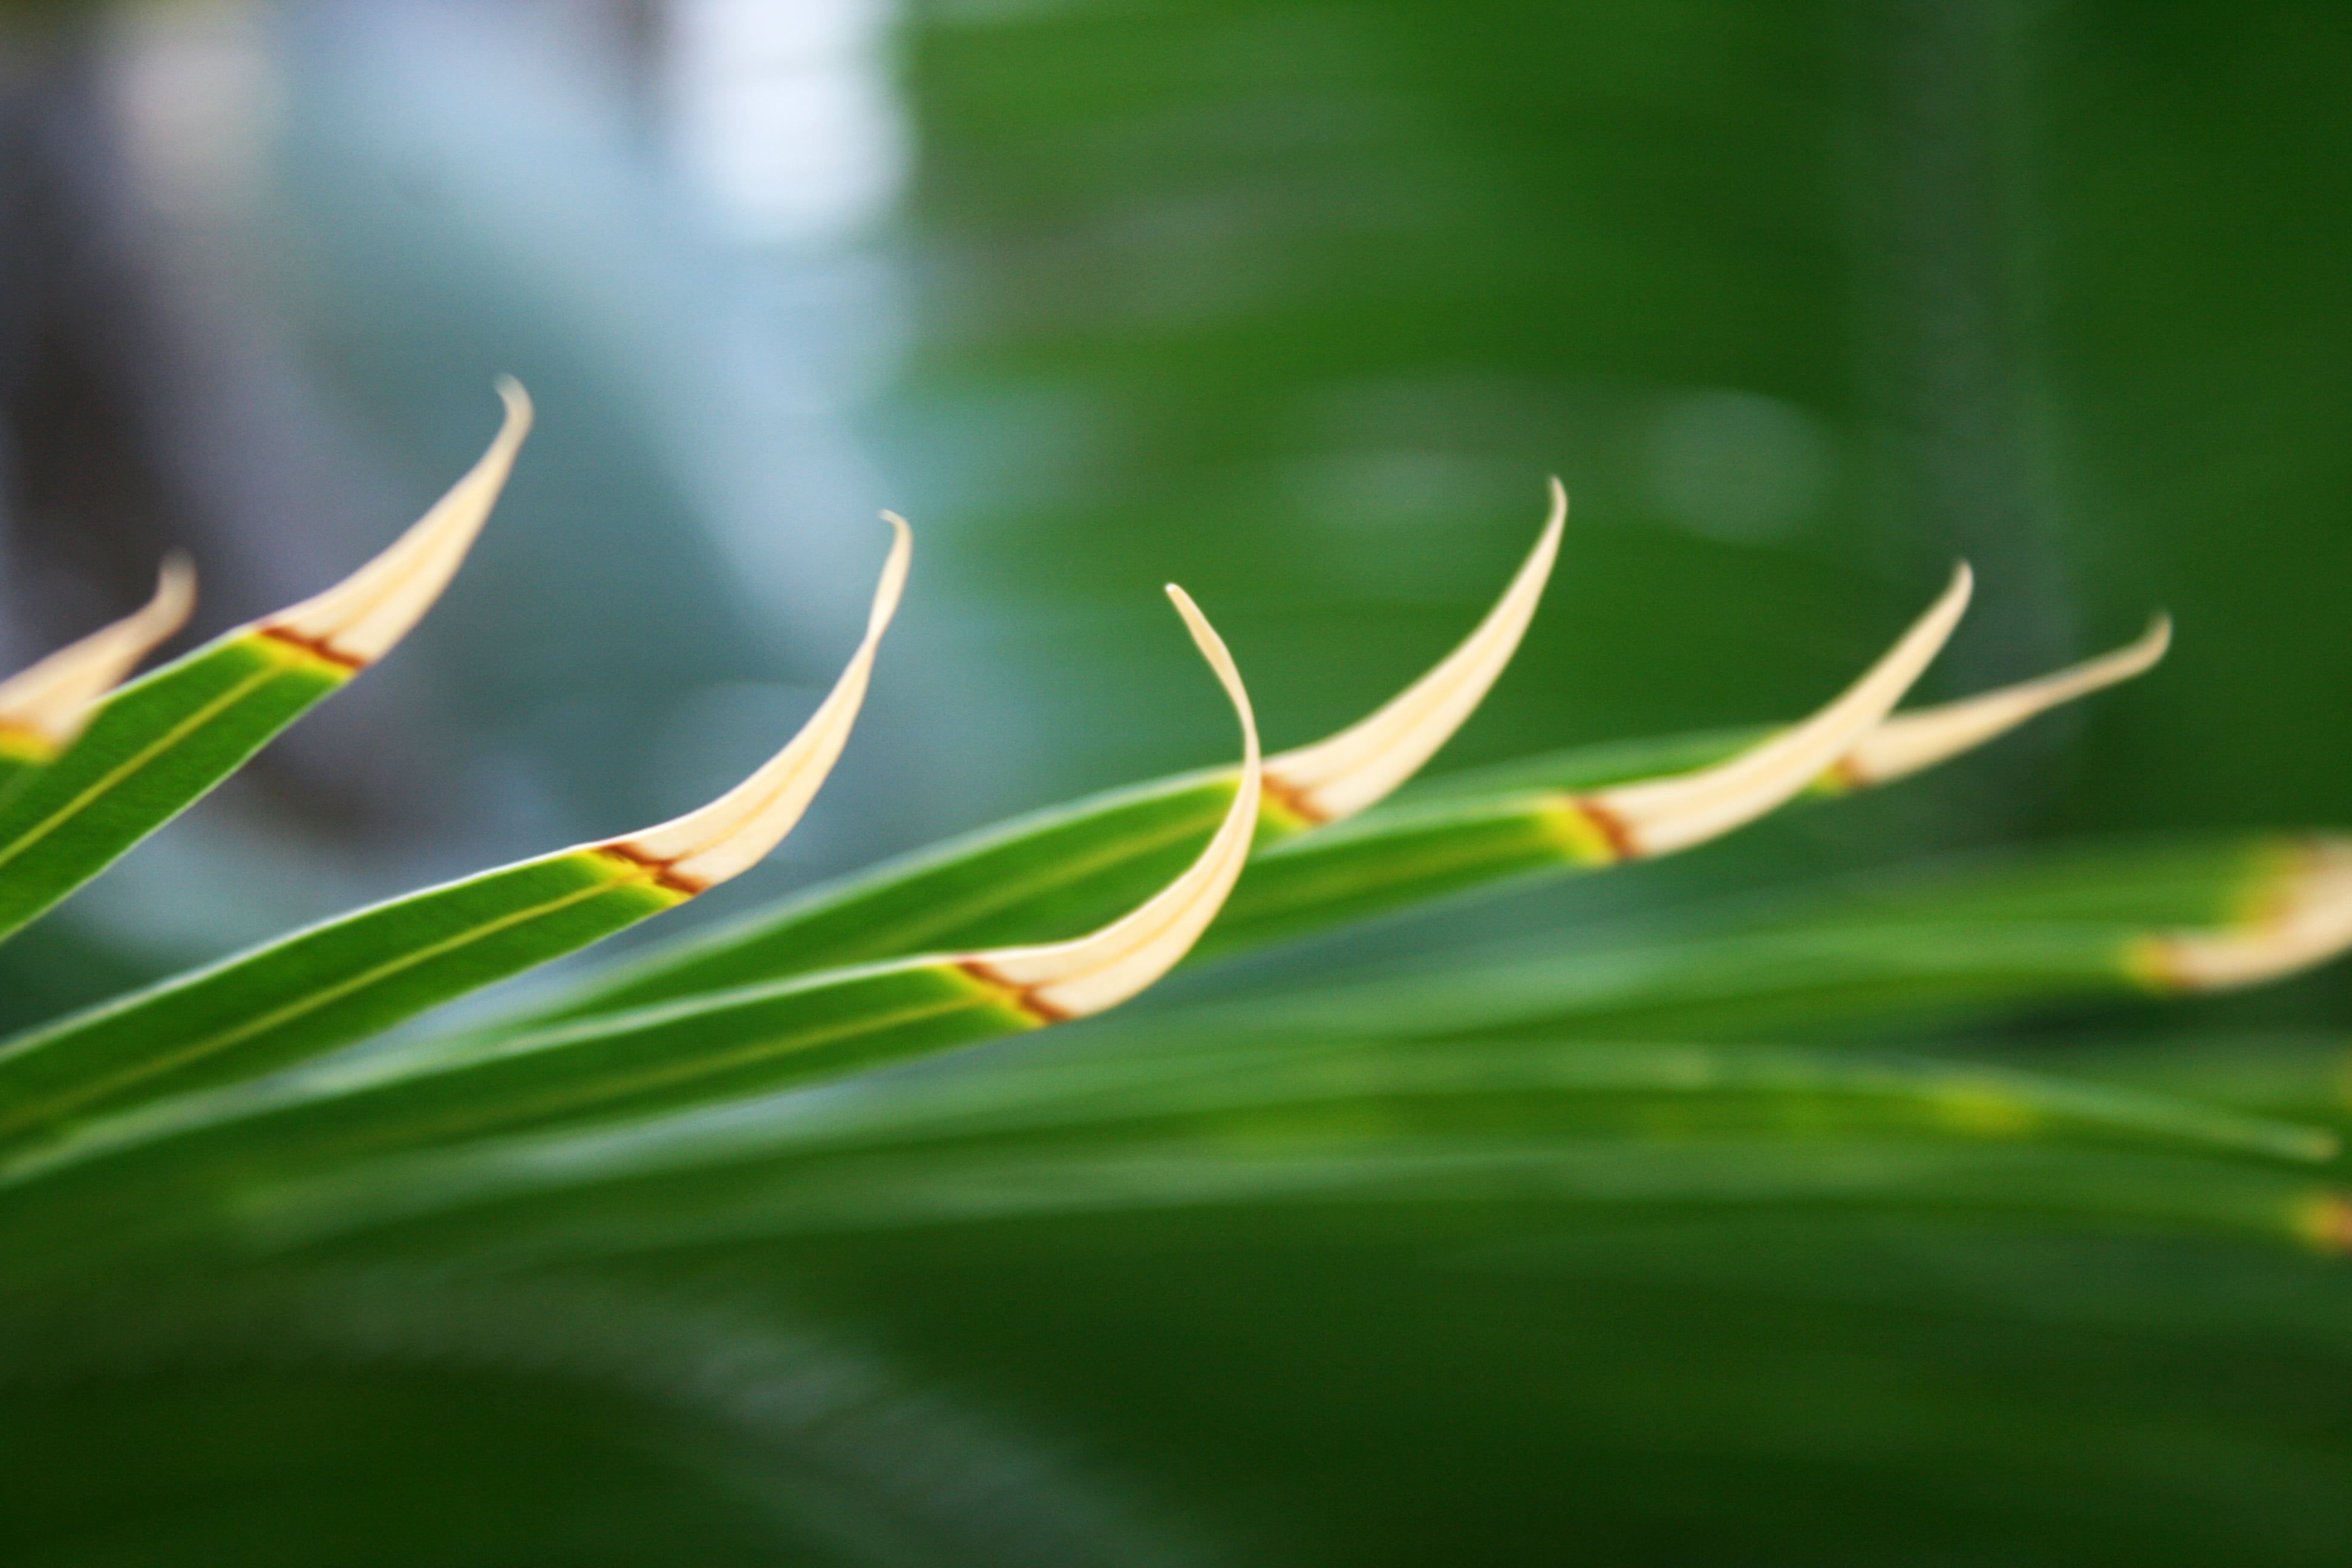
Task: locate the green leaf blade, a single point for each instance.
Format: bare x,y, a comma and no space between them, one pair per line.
1045,877
318,990
18,769
1947,944
1037,879
1570,1127
1395,860
725,1049
592,1074
151,749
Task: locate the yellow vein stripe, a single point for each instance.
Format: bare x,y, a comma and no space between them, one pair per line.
605,1089
211,1045
136,761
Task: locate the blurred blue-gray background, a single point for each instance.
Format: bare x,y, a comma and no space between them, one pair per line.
1295,302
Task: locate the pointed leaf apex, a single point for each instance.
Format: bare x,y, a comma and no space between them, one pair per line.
1363,764
1212,648
1658,817
43,709
1057,981
735,832
363,617
893,585
1907,743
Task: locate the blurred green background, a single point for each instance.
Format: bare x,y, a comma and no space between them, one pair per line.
1297,304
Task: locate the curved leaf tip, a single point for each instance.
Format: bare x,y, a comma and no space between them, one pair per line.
735,832
1907,743
1658,817
44,708
1057,981
2300,917
363,617
1360,765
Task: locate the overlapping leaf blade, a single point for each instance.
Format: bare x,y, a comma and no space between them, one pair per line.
155,747
1061,870
2063,926
306,994
1343,1093
44,709
1268,1122
1306,1096
825,1025
637,1124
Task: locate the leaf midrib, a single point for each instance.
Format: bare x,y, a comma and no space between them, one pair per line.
292,1011
133,763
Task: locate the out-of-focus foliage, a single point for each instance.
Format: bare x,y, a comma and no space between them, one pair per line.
1670,1216
667,1280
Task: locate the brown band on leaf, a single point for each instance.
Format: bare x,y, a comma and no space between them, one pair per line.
732,833
1613,828
665,873
1344,773
1086,975
1293,802
365,616
319,648
1846,774
1022,998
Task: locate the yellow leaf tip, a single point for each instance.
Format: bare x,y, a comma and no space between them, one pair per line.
1220,660
363,617
519,411
736,832
1906,743
1657,816
174,598
1364,764
1057,981
44,708
893,585
2300,918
